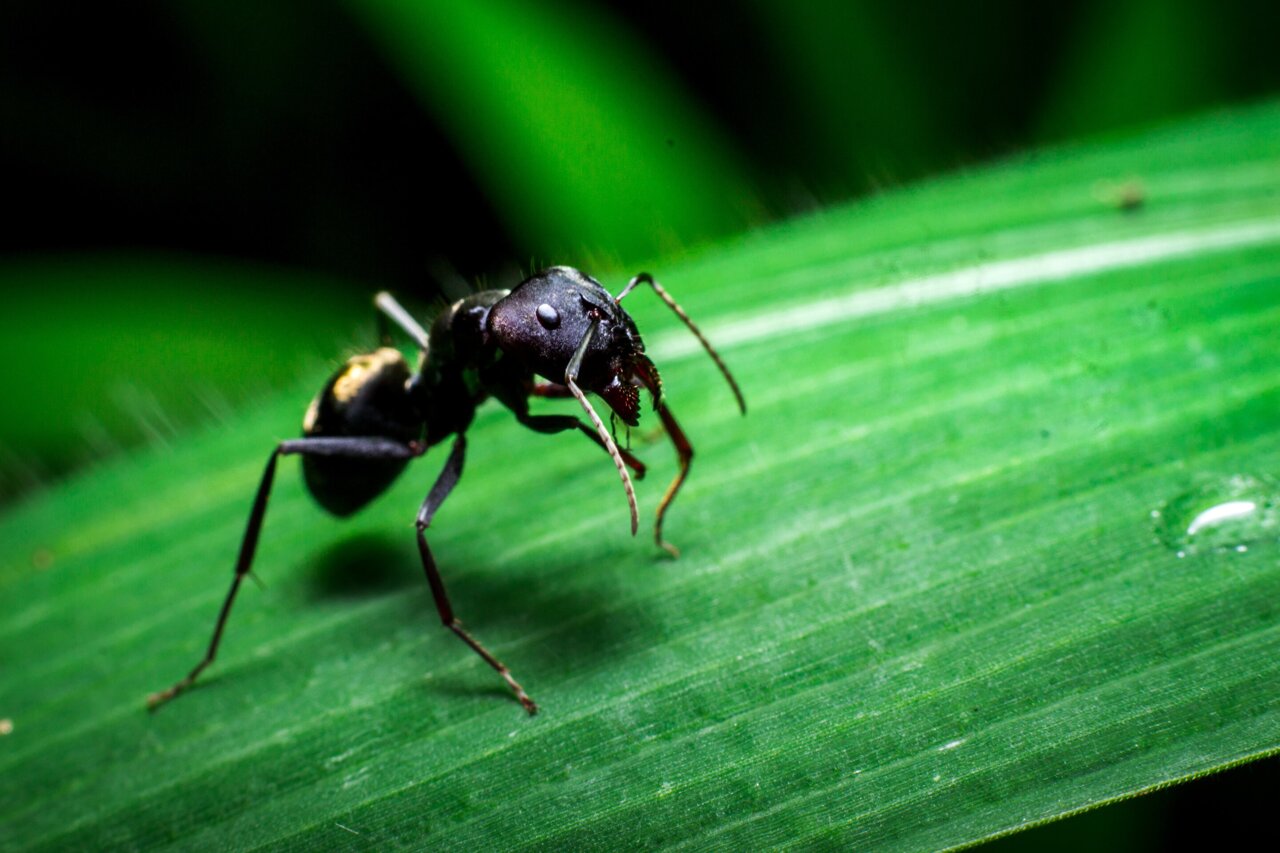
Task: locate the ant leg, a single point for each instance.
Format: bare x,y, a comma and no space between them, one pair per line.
369,448
684,451
387,304
551,424
550,390
444,484
514,398
570,381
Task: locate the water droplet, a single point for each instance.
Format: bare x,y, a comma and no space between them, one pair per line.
1221,515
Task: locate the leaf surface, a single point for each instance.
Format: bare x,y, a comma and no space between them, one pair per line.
938,585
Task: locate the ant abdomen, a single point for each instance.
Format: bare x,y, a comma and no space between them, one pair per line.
366,397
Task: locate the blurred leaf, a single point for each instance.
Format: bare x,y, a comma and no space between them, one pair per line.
107,349
858,109
1132,63
936,586
583,140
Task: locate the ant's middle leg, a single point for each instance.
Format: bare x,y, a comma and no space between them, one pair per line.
364,448
444,484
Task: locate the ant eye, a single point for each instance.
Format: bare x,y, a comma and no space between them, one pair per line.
548,316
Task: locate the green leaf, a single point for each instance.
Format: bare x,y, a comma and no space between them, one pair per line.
109,348
586,141
1127,65
938,585
857,105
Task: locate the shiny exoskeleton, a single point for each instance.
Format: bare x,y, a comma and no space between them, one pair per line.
376,414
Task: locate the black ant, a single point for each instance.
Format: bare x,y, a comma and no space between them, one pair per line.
375,415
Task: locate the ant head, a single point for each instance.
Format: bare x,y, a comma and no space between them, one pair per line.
544,320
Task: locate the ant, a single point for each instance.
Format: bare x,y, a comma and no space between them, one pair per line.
374,415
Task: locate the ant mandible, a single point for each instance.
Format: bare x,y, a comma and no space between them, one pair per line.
375,415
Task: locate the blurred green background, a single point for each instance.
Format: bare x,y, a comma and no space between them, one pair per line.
203,196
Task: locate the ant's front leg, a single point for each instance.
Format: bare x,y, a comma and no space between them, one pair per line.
684,451
363,448
552,424
551,390
444,484
684,454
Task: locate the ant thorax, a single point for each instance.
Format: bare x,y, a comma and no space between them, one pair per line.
452,380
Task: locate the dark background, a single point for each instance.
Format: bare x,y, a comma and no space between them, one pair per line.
201,196
289,133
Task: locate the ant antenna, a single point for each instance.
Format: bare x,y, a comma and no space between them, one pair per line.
388,305
645,278
570,377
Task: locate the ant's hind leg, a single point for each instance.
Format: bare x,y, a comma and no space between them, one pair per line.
367,448
444,484
243,563
388,307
